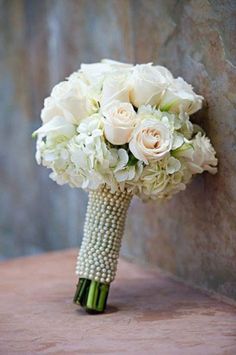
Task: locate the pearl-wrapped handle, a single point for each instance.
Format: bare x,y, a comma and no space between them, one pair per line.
103,231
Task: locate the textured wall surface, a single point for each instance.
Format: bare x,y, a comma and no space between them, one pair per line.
194,235
41,42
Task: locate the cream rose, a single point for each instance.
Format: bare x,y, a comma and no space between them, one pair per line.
119,122
180,97
151,140
148,84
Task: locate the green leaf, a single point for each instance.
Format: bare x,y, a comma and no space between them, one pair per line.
132,160
175,153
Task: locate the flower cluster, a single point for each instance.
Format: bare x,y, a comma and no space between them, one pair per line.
126,127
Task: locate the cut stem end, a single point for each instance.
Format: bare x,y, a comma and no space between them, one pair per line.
91,295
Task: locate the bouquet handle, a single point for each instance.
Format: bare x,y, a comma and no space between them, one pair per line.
99,253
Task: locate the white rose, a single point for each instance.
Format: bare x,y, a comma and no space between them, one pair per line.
71,100
96,72
151,140
198,154
50,110
148,84
117,65
203,157
58,126
68,100
180,97
119,122
115,87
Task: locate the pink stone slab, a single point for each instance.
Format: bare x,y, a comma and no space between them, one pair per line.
148,313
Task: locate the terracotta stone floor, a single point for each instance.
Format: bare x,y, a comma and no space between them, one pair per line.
149,313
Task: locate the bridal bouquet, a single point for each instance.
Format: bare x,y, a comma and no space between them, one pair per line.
119,130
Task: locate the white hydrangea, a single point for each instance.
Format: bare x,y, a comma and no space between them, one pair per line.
57,133
156,178
90,155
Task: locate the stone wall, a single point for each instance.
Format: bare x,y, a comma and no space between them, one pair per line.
41,42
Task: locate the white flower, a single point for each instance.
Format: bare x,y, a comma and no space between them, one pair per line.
173,165
117,65
186,126
52,151
180,97
115,87
119,122
199,155
203,157
90,155
162,179
96,72
153,180
180,125
176,183
50,110
56,132
71,100
123,171
92,113
148,84
92,91
151,140
58,126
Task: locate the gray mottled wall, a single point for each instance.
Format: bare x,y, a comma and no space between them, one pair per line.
41,42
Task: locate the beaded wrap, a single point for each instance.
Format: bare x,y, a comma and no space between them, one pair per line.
103,231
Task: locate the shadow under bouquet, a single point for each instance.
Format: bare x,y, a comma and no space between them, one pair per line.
119,130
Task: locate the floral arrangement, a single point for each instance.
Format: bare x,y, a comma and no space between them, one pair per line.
119,130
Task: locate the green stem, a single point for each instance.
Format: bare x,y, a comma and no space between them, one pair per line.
91,295
83,294
104,289
78,290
